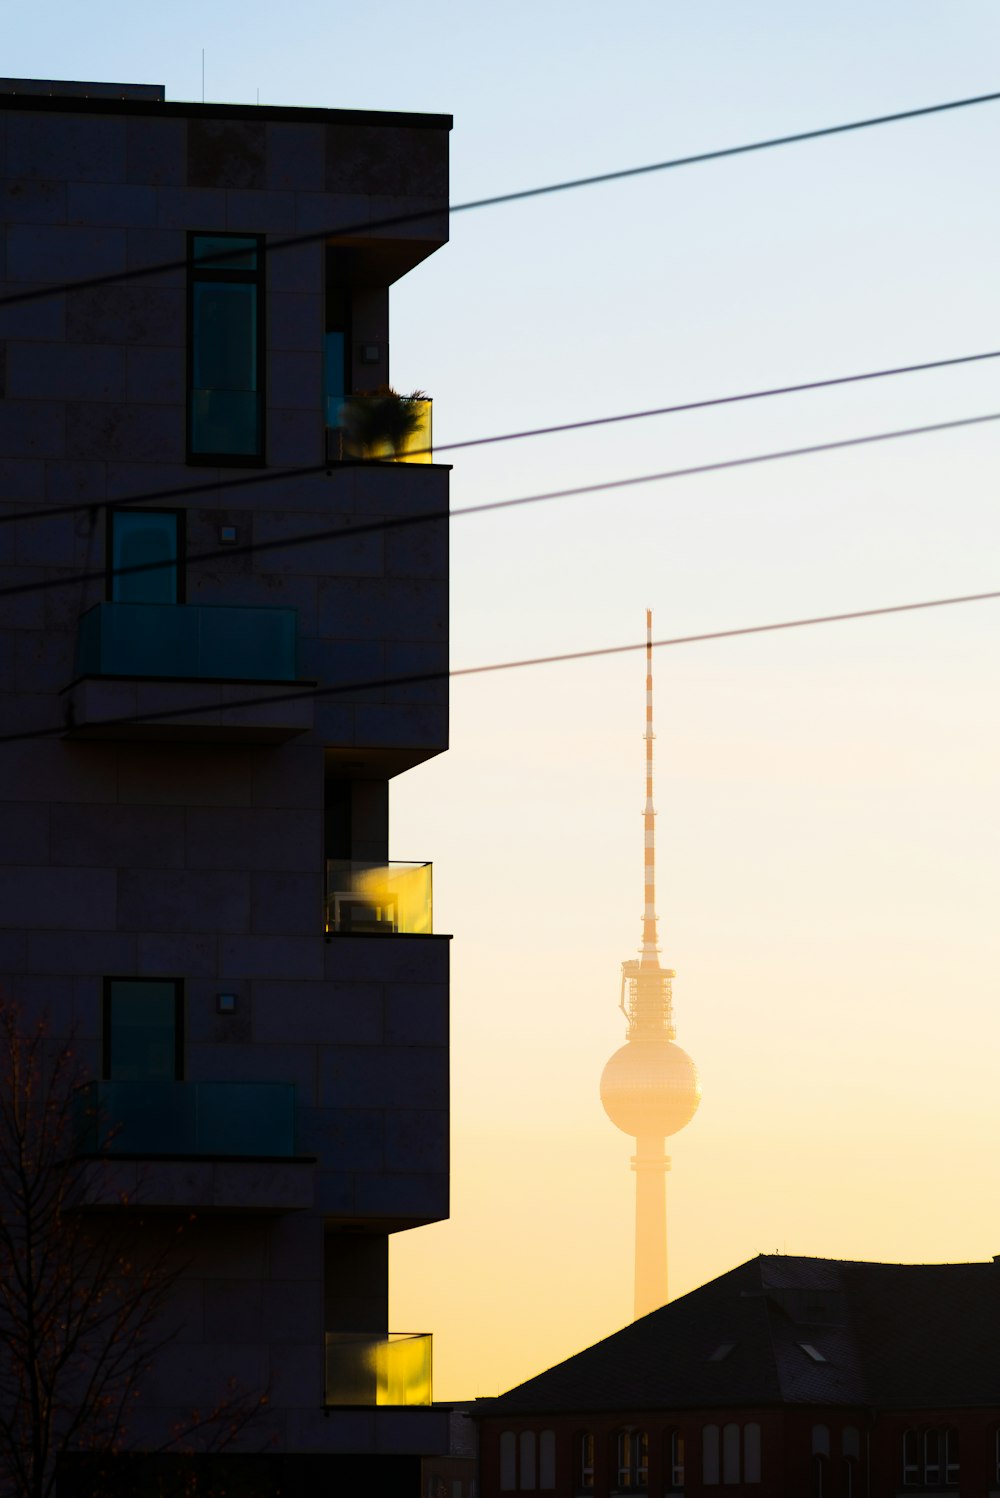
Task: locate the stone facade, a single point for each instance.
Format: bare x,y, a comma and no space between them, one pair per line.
167,826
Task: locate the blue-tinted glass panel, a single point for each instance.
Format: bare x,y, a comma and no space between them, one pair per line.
147,540
143,1031
246,1118
224,403
335,387
188,1118
224,252
207,642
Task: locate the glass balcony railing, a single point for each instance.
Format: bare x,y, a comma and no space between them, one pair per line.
383,899
187,1118
205,642
372,1368
387,429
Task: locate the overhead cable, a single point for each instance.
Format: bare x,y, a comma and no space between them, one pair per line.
400,522
397,220
275,475
563,657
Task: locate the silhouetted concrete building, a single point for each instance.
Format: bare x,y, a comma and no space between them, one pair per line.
786,1377
195,871
453,1473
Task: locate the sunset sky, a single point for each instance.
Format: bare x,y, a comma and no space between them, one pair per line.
829,818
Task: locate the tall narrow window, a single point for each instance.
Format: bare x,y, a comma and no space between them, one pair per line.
730,1454
624,1459
143,1032
144,556
675,1457
641,1480
547,1459
751,1452
225,348
508,1462
336,341
587,1459
932,1456
710,1455
527,1463
911,1458
949,1443
633,1461
850,1445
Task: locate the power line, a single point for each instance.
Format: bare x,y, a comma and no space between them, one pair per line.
496,200
422,517
399,522
563,657
180,491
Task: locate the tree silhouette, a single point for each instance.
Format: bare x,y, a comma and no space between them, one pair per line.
83,1294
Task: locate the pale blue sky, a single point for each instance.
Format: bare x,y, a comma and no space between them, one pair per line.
828,801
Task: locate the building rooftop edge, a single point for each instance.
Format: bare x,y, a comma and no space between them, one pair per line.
148,99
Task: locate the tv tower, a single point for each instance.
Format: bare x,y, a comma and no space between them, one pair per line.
650,1086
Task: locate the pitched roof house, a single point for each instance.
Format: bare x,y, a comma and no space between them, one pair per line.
784,1376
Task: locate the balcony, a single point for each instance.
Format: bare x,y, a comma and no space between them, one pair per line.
367,1369
378,899
149,1119
139,665
198,642
356,431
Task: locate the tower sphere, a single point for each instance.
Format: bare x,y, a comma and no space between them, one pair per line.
650,1087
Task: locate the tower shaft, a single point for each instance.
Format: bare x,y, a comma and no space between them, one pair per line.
650,1087
650,1164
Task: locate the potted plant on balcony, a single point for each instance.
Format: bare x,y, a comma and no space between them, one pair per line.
375,420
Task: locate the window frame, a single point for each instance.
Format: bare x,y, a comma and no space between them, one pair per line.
198,273
180,567
106,997
586,1448
631,1459
675,1453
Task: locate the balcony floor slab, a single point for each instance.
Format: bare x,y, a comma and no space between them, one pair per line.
187,710
265,1186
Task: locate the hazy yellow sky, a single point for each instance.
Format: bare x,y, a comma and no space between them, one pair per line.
827,800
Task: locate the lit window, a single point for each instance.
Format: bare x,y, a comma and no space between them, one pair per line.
633,1461
225,348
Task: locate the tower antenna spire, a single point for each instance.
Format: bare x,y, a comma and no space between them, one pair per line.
650,945
650,1087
